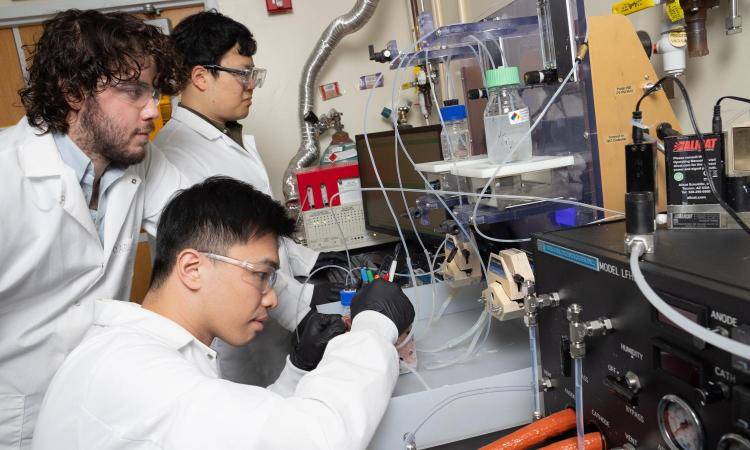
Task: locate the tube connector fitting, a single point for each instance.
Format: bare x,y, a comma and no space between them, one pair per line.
532,303
580,330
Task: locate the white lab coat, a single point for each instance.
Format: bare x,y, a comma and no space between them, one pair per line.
199,150
140,381
53,264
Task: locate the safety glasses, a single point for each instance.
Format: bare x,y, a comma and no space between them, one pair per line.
249,78
260,275
137,93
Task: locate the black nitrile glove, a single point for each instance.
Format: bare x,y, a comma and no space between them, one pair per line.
331,258
387,299
325,292
314,332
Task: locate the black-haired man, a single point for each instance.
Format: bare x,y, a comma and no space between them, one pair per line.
203,138
147,375
77,183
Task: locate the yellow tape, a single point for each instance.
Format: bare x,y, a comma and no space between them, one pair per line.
626,7
674,10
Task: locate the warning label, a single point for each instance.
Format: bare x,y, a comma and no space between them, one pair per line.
688,184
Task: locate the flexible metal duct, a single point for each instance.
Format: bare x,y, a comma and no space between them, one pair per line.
309,150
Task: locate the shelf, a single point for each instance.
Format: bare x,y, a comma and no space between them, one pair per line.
485,168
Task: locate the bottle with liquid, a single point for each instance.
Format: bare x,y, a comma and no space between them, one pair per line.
455,138
506,117
346,296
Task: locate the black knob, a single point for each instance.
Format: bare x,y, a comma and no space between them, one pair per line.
476,94
712,392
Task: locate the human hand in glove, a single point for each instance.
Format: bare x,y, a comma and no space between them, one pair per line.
387,299
311,337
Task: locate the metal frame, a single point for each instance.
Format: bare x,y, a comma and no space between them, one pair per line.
28,13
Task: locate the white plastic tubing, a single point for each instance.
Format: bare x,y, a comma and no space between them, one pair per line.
708,336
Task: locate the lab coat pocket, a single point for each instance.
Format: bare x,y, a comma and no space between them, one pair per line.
11,420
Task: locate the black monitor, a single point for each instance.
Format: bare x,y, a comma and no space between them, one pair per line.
423,144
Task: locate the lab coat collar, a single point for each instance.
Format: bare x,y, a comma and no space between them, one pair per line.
117,313
38,155
197,123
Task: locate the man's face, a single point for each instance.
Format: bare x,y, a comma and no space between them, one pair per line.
230,100
236,306
116,122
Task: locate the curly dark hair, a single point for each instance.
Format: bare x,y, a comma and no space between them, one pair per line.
83,52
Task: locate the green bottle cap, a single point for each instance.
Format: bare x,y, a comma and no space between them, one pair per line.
502,76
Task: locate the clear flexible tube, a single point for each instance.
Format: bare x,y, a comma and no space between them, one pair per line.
465,394
307,280
535,372
411,161
486,51
578,363
459,339
413,370
503,196
708,336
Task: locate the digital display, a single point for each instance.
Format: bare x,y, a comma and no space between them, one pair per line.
678,367
692,316
423,144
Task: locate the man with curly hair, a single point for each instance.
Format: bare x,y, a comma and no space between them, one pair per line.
78,181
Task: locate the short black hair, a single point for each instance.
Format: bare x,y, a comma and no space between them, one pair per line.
82,52
213,216
204,38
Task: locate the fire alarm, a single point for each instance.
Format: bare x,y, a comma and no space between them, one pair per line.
278,6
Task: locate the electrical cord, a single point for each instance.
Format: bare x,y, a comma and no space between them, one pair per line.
686,98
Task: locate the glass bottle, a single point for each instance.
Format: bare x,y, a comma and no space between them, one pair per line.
454,138
506,117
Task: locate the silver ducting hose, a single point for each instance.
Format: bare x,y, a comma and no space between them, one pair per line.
309,149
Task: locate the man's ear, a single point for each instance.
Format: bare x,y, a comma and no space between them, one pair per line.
74,101
189,269
199,77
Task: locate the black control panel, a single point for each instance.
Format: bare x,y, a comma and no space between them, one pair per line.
648,384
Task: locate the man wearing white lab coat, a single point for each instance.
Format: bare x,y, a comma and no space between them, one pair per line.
146,378
203,138
77,182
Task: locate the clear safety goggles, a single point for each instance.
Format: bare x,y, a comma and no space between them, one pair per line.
249,78
137,93
260,275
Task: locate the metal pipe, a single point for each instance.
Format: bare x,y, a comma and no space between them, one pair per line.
309,150
463,11
734,20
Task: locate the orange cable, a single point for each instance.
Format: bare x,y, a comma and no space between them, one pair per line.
591,441
536,432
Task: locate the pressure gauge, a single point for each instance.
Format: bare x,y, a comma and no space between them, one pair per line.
679,424
733,441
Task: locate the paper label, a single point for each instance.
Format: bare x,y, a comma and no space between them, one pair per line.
370,81
344,154
330,90
678,39
349,197
626,7
518,116
674,11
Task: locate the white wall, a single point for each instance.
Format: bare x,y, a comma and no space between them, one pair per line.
284,43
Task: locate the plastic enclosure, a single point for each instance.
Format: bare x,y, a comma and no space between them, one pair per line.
565,131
